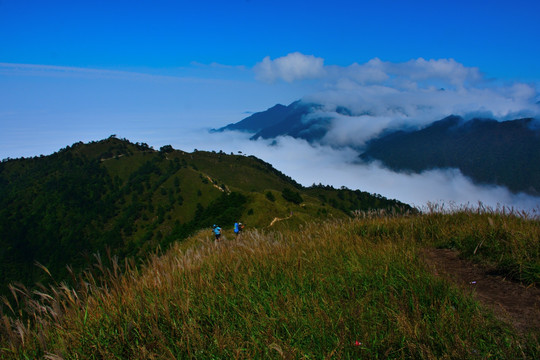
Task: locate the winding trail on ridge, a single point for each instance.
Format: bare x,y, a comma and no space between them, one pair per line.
511,302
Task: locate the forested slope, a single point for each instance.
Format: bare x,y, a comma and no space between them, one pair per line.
129,199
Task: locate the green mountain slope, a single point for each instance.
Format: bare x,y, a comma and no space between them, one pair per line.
128,199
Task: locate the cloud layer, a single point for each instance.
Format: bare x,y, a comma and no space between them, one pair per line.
310,164
384,95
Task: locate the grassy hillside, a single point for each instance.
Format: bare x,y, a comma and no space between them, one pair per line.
344,289
128,199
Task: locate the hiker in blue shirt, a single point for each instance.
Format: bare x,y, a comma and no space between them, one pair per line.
217,232
238,227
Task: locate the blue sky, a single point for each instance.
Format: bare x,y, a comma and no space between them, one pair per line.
500,37
150,70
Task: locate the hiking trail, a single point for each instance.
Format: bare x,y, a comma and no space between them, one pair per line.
510,301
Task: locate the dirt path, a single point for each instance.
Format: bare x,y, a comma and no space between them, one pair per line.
510,301
279,219
217,187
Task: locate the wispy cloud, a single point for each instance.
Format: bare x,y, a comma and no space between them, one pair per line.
218,65
81,72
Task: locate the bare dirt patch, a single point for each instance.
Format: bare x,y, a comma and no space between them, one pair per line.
510,301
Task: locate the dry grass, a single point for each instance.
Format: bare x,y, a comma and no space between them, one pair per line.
340,289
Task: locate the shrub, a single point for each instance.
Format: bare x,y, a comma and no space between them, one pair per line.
270,196
292,196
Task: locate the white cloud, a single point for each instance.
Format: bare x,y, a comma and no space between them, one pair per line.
372,72
412,73
446,70
294,66
356,131
407,75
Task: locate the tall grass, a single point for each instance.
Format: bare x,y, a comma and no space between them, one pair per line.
340,289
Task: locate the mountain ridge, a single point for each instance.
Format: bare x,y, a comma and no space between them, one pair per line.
489,152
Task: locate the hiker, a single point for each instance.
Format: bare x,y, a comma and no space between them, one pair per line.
238,227
217,232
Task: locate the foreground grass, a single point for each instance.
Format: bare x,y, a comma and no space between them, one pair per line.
509,243
342,289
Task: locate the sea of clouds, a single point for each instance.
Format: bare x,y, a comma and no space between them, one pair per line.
384,95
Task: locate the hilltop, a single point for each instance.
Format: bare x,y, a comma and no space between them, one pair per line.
114,196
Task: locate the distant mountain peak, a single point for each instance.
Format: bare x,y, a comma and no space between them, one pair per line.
263,119
288,120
